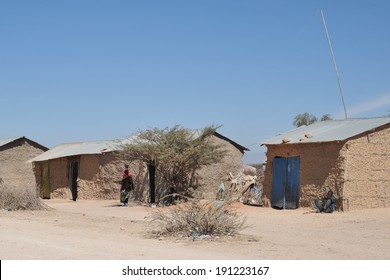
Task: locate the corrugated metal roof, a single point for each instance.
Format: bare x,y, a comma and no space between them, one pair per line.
84,148
79,148
327,131
6,141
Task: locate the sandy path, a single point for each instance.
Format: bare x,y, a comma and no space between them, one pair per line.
102,230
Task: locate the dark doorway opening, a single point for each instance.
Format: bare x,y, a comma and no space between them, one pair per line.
74,172
152,182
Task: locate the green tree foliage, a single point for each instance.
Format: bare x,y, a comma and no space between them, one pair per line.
177,153
326,117
304,119
307,119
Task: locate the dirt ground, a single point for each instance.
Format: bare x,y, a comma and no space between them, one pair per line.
102,230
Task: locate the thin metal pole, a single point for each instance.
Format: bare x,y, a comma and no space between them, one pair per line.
334,64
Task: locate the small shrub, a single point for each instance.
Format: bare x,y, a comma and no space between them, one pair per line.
199,217
20,198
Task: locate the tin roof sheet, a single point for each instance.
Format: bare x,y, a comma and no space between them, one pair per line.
84,148
328,131
79,148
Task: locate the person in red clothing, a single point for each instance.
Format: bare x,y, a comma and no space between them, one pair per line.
127,186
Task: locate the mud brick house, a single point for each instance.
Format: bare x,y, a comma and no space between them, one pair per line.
86,170
14,152
91,170
350,157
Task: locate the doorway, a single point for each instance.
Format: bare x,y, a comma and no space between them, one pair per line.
74,174
45,180
152,182
285,183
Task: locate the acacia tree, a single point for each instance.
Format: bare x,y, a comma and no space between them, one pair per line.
326,117
177,153
307,119
304,119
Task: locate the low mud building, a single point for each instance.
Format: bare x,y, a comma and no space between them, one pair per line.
14,152
93,170
85,170
350,157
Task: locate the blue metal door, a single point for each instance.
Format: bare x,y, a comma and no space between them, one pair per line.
285,183
279,182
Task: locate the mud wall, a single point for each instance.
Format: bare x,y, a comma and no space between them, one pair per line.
59,178
14,171
210,177
357,170
322,169
368,175
98,177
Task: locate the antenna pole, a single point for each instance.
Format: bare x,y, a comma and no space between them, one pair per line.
334,64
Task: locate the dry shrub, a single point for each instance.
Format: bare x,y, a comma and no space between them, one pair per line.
199,218
20,198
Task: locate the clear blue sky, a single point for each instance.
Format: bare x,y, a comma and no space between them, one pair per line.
86,70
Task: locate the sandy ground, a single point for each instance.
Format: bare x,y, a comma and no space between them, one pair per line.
101,230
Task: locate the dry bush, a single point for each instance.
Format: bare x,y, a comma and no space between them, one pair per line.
199,218
20,198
